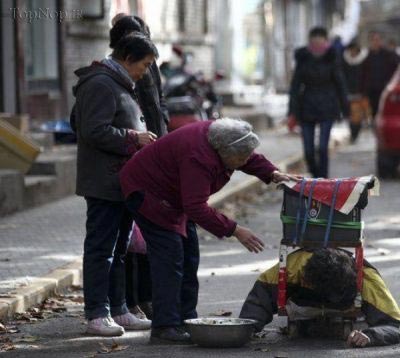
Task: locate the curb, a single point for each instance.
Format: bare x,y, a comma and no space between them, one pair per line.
23,298
60,279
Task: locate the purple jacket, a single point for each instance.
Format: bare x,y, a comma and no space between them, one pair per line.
178,173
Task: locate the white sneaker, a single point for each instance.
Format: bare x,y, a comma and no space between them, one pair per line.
132,323
104,326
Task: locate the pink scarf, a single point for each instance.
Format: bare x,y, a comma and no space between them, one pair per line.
319,50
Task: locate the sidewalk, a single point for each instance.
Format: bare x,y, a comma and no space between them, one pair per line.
37,241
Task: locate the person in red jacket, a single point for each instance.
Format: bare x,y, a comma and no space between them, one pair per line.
166,186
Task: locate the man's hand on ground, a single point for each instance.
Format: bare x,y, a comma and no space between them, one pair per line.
358,339
248,239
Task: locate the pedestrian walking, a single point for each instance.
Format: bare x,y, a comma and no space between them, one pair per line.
109,129
353,58
377,70
155,113
318,97
167,185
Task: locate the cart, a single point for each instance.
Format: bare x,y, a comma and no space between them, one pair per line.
311,219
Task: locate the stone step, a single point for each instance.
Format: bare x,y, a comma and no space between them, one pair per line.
44,140
11,191
51,177
40,189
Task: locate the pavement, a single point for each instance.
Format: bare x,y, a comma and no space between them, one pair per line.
227,272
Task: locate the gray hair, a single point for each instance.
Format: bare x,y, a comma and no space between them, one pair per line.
232,137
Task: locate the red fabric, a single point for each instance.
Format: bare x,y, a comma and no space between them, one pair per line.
178,173
323,190
137,243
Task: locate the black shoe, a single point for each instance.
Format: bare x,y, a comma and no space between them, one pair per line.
169,335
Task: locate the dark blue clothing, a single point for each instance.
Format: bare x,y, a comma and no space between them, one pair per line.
318,90
317,167
174,261
108,227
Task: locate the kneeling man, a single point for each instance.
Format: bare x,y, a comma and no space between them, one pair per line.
327,278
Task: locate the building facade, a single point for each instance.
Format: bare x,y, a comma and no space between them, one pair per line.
44,41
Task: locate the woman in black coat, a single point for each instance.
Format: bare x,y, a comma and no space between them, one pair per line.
152,104
318,96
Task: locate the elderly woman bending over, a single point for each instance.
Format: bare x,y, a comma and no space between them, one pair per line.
167,185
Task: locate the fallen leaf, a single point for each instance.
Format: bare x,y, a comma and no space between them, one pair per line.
13,330
72,315
255,270
91,355
26,339
383,251
262,349
115,347
103,348
77,299
6,345
8,329
6,296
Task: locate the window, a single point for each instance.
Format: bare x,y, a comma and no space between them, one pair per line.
181,15
93,9
41,52
205,16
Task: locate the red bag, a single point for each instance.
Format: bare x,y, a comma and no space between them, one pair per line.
292,123
137,243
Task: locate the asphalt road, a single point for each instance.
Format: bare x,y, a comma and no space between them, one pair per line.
227,273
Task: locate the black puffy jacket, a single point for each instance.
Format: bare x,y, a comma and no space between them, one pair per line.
152,101
318,90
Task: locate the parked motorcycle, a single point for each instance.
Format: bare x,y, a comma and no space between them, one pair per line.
190,96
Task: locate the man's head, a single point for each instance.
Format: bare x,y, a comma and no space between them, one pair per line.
354,48
332,275
318,40
375,40
136,53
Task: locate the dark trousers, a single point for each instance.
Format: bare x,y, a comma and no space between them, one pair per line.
317,167
374,97
108,227
174,261
138,279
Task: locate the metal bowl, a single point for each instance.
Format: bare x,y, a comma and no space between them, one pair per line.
220,332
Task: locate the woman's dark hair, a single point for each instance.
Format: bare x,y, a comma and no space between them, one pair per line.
318,31
134,47
354,45
143,25
332,275
126,25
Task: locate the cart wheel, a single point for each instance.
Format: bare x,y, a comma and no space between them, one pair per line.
293,330
347,329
